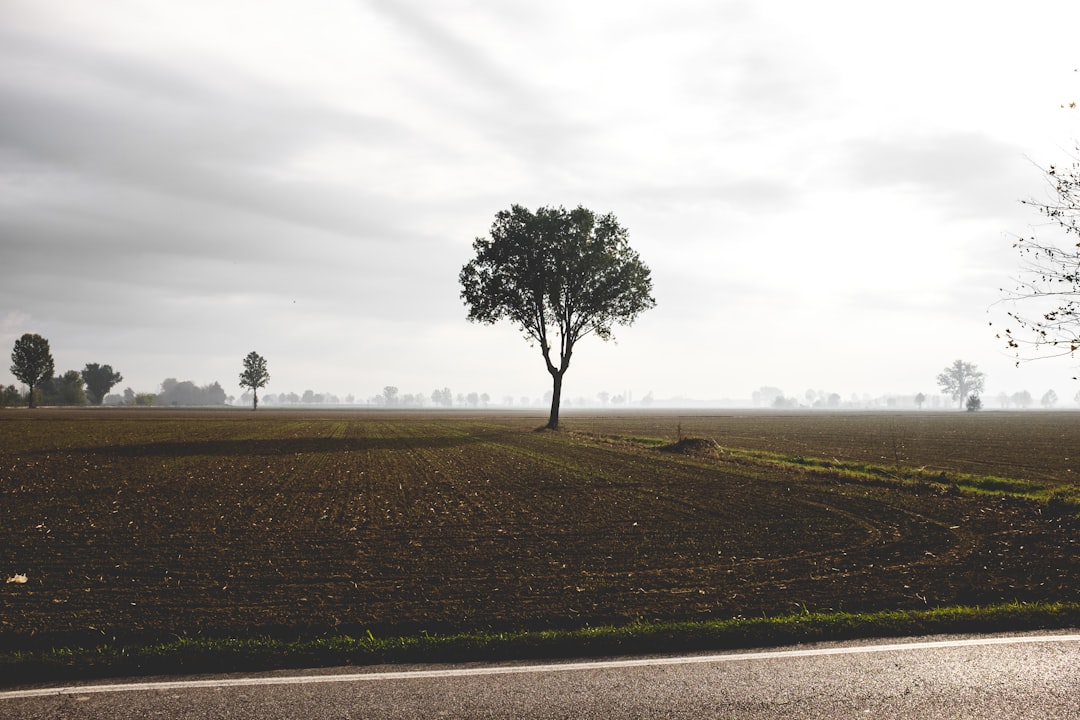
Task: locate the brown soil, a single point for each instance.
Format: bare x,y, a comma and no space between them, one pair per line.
147,525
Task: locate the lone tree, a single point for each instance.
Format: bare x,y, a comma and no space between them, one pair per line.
559,275
32,362
99,380
960,379
254,376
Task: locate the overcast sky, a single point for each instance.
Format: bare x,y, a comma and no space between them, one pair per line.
827,193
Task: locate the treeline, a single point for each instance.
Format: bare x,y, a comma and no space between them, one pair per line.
66,389
71,389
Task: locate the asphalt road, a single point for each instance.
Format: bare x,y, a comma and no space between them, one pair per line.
1016,677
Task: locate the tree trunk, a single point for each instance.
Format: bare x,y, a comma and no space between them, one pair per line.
556,396
255,399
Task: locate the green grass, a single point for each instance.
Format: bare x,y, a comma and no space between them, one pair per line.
202,654
1062,497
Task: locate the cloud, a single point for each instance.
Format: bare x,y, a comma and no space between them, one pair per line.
181,183
218,137
963,175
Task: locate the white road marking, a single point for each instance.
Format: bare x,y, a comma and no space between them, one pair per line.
522,669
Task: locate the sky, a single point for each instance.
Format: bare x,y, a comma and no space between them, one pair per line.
827,193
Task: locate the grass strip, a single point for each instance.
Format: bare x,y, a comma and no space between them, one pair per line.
192,655
1062,497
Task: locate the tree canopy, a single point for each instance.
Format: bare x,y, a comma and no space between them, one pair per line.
254,375
99,380
66,389
32,362
559,275
960,379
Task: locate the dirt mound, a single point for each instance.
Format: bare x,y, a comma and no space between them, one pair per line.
692,446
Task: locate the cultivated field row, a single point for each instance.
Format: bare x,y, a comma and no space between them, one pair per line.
151,524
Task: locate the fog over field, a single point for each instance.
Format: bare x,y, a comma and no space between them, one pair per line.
827,193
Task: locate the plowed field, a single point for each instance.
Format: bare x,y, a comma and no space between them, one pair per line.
140,525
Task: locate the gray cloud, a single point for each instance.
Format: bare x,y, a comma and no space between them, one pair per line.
217,139
172,207
964,175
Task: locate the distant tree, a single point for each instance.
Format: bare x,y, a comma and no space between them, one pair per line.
390,394
254,376
99,380
919,400
31,362
766,396
1076,397
11,396
603,396
66,389
186,393
473,398
173,392
1049,399
974,403
960,379
556,273
214,394
485,399
1022,399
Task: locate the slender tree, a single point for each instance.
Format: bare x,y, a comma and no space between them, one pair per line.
99,380
559,276
32,362
960,379
254,376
